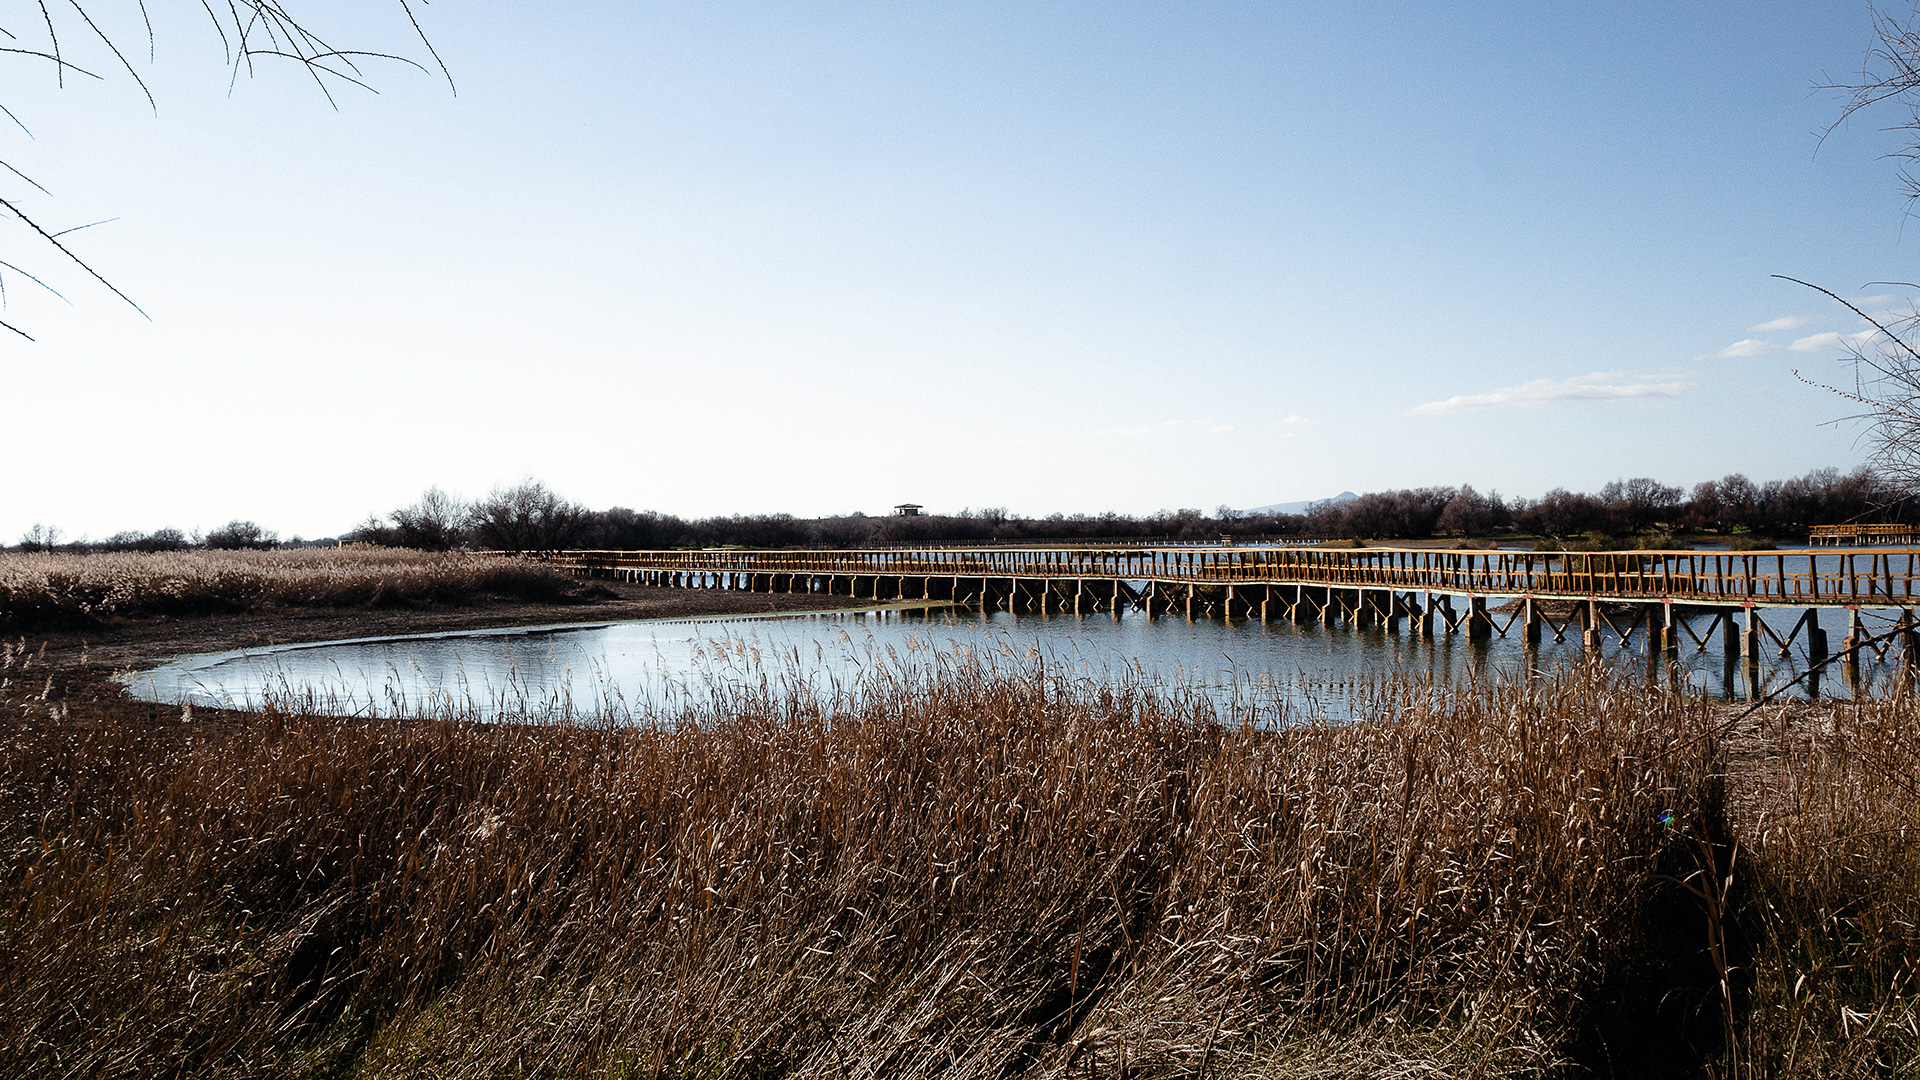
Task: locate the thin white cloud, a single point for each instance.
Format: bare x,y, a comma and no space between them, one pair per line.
1599,386
1832,339
1143,430
1294,418
1166,427
1745,347
1784,322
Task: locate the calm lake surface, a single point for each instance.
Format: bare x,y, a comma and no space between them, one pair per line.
1273,672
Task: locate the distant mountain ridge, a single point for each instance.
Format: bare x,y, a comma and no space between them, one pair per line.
1302,506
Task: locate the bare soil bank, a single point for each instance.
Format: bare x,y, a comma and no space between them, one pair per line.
130,642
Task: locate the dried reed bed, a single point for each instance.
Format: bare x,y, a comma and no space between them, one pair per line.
54,590
1827,906
967,871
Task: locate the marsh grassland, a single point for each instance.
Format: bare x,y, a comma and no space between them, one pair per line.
968,870
56,591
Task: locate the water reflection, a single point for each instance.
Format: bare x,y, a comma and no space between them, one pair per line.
625,671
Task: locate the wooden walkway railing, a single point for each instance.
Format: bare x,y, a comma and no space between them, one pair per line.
1876,577
1848,535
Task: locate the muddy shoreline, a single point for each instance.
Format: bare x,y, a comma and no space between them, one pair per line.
126,643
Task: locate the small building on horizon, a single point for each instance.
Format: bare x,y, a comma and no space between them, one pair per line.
907,510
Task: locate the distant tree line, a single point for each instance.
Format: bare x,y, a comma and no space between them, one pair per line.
529,516
234,535
1624,508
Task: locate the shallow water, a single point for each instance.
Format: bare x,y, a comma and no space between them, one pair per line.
625,671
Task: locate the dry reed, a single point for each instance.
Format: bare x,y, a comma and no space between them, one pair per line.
967,871
1828,905
55,590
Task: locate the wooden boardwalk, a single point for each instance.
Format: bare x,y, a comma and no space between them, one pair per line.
1851,535
1659,594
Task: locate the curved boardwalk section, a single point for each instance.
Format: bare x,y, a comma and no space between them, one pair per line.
1661,594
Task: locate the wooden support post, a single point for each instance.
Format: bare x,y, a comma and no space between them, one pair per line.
1751,636
1395,608
1816,637
1479,625
1909,642
1423,617
1226,606
1530,624
1729,635
1590,621
1448,622
1670,630
1189,601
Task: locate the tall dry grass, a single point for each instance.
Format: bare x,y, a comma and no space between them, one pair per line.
1829,899
964,872
54,590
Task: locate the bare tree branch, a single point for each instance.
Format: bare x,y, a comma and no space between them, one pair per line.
1891,398
248,30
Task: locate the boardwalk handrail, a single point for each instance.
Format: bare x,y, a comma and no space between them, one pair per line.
1837,534
1829,577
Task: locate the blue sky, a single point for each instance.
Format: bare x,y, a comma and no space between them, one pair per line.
824,258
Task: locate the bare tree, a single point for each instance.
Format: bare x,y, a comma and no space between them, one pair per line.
40,538
1470,513
1885,362
1886,384
1890,73
78,41
243,534
528,517
435,522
